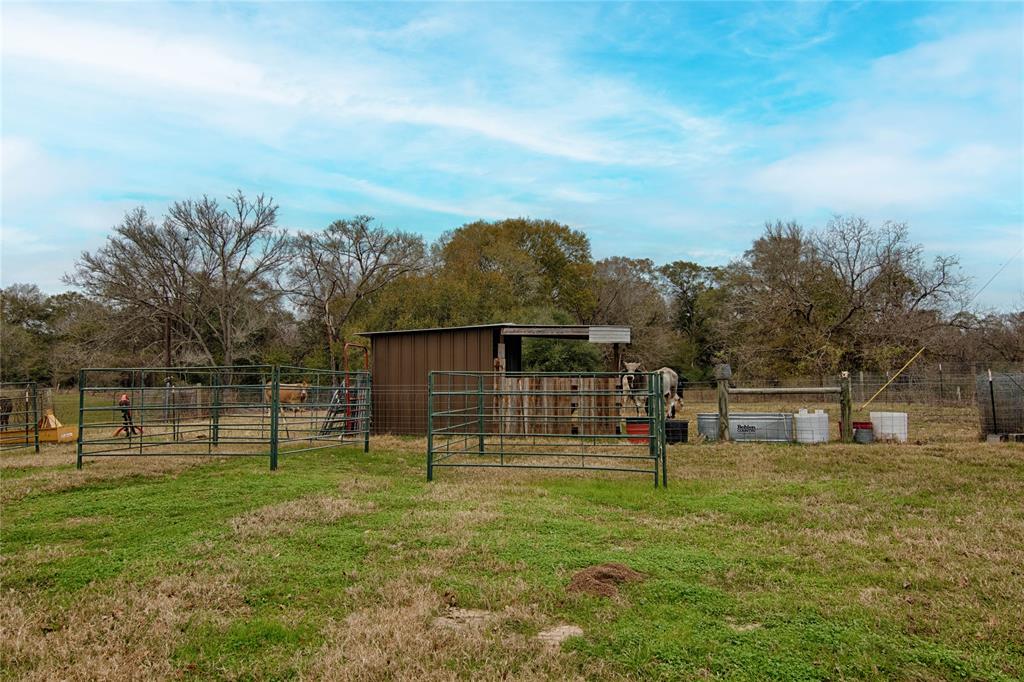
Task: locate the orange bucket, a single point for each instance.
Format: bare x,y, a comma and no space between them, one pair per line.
640,427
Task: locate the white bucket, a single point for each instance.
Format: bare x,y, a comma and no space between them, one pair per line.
890,426
811,427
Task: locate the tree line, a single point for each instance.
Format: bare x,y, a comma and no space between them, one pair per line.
213,282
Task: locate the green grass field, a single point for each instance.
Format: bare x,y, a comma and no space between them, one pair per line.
759,562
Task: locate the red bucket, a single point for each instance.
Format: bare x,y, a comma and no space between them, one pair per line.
640,427
856,425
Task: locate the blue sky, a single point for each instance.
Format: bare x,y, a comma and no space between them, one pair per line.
668,131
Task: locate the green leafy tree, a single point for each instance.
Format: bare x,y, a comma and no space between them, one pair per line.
694,299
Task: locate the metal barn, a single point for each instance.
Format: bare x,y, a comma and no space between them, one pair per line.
401,361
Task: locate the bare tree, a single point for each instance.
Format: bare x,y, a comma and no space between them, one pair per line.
849,295
143,270
233,256
334,270
204,277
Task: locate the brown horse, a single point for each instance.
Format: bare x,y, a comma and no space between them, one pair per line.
287,394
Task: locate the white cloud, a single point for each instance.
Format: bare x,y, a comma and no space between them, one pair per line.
483,207
29,174
16,241
154,59
935,125
550,111
983,61
865,177
451,116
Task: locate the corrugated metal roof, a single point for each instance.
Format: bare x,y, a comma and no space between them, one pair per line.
594,333
437,329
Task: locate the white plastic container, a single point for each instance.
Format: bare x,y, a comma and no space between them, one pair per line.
811,427
890,426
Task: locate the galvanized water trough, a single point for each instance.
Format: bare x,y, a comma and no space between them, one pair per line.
770,427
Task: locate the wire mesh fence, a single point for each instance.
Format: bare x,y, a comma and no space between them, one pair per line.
19,415
927,405
945,406
248,411
1000,398
585,421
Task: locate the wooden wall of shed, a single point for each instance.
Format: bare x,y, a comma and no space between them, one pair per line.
556,405
402,361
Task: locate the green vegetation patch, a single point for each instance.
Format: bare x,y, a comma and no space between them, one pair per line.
756,563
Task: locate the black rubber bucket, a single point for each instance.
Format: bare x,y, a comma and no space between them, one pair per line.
676,430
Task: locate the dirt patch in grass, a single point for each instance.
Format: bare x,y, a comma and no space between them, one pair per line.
456,617
399,638
285,517
603,580
554,637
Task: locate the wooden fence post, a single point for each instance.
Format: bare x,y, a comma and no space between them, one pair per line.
846,408
722,375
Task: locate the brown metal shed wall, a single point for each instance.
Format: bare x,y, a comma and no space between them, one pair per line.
402,361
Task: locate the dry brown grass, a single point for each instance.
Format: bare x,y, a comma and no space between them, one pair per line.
53,471
400,638
285,518
960,540
120,632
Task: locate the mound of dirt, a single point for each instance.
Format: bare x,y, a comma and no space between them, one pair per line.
603,580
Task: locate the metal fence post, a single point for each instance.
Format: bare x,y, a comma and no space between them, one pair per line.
275,399
846,408
653,412
142,410
992,398
663,439
480,412
367,413
216,409
430,426
81,417
942,391
35,415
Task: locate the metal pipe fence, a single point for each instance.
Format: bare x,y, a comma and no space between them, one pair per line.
19,415
580,421
243,411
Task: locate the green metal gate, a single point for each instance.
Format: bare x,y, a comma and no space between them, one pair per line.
582,421
19,415
244,411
